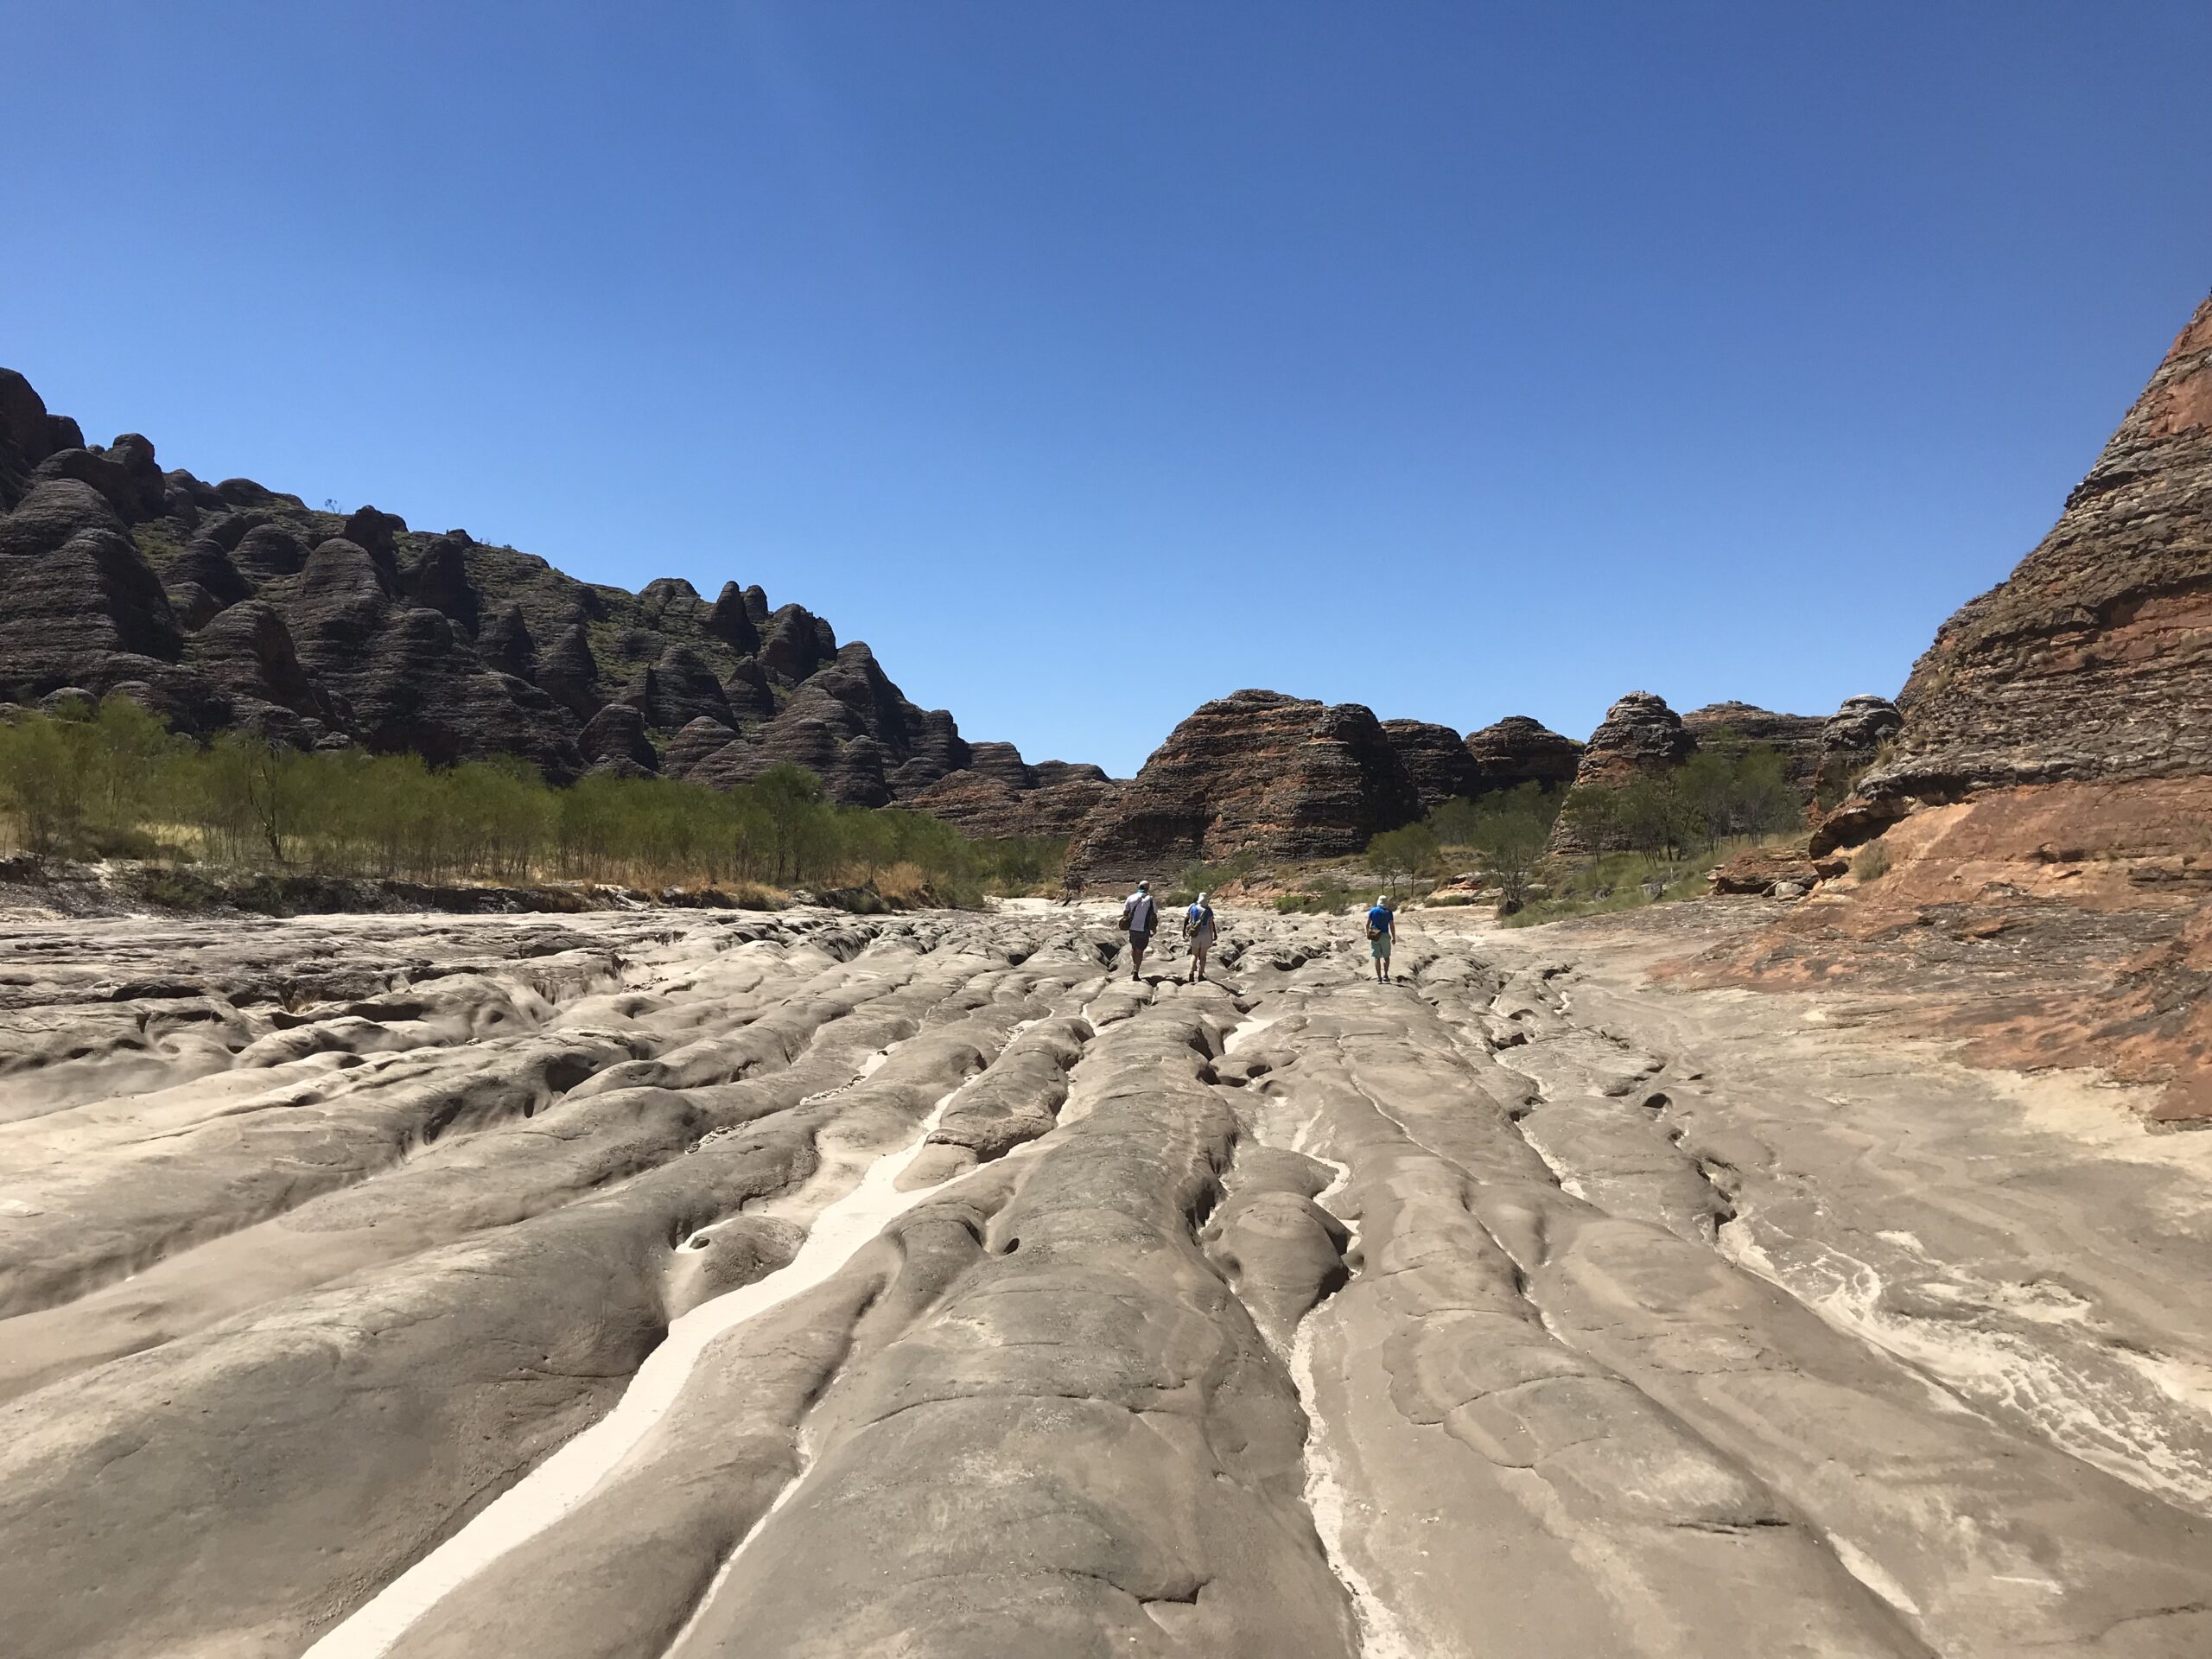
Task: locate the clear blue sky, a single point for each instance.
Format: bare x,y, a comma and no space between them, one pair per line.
1089,360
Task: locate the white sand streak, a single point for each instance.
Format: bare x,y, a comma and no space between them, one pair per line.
1380,1635
566,1478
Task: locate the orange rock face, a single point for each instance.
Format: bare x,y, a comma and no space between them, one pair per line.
2046,811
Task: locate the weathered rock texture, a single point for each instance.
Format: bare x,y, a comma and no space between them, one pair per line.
232,606
1729,729
2030,858
1640,737
1436,761
2093,661
928,1290
1256,772
1850,740
1519,750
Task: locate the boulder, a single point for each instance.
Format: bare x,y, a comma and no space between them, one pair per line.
1851,739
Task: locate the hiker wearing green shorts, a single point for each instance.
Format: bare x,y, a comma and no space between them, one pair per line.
1382,934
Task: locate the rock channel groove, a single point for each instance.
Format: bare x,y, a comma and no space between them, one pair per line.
970,1298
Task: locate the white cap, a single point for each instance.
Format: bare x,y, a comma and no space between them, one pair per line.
1383,899
1202,898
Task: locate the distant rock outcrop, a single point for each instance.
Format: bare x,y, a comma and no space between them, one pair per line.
1520,750
1729,729
233,606
1640,737
1256,772
1435,759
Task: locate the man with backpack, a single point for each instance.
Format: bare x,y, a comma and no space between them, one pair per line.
1382,934
1198,929
1139,917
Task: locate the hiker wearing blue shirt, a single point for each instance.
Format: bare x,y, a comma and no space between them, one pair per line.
1198,928
1382,934
1139,917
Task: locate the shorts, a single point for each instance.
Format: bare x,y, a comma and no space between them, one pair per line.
1379,947
1139,937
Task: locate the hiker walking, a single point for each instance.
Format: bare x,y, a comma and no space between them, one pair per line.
1382,934
1198,929
1139,917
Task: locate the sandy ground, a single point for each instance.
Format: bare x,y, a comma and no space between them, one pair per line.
653,1284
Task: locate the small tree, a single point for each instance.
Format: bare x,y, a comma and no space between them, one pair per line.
1454,823
1510,834
1592,812
791,798
1655,817
45,779
1402,855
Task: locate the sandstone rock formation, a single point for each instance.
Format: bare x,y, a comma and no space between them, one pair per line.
1851,740
1436,761
1639,737
2038,824
680,1285
2093,661
1519,750
1256,772
1729,729
232,606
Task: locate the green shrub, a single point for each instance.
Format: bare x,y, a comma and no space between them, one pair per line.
1871,863
113,781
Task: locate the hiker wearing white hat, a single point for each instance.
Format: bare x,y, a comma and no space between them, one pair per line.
1198,929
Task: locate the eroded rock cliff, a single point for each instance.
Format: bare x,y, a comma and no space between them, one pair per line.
2029,855
2093,660
234,607
1256,772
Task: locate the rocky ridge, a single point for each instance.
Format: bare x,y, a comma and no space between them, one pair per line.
2092,662
2028,860
1519,750
1254,771
232,606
